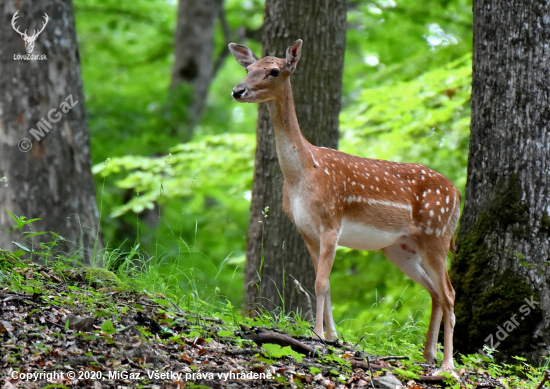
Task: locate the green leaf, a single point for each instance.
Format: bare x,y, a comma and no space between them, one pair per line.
107,327
314,370
22,246
276,351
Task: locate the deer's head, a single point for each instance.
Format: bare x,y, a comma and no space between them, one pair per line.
266,76
29,40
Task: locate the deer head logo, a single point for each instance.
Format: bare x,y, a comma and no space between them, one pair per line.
29,40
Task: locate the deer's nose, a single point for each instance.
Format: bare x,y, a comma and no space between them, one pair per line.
238,92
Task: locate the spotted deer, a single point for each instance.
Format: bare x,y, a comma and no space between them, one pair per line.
407,210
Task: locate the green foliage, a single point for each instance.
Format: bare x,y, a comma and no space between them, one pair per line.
217,166
278,352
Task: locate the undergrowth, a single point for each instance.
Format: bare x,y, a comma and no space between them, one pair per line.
164,282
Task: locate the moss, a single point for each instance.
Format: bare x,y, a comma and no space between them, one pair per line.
95,273
486,299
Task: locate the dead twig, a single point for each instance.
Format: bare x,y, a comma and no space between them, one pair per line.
544,379
393,358
298,288
326,342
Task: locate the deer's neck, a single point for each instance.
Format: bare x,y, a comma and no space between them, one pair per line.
293,150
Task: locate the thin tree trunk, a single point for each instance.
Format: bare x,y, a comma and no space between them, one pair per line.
52,180
276,252
194,62
500,274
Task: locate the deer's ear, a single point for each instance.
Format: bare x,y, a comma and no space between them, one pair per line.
244,56
293,54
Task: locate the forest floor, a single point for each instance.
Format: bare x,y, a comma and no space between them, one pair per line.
63,328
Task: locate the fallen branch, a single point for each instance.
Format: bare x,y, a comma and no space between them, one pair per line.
282,340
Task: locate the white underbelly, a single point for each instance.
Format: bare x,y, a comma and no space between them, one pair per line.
360,236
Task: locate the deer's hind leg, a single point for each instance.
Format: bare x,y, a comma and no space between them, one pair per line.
405,254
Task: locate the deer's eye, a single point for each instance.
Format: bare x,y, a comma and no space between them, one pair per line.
275,73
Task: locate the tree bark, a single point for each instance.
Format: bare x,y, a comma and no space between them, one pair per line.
194,63
276,252
52,180
500,273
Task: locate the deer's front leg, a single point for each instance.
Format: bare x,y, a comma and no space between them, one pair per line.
313,246
322,286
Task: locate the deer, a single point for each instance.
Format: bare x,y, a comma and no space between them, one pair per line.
406,210
29,40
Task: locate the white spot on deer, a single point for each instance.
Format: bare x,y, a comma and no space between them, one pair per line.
377,189
426,205
422,171
429,222
447,209
412,170
344,185
442,210
431,212
359,198
437,191
326,171
439,218
429,231
372,187
353,183
423,194
437,232
422,177
362,186
376,178
413,181
437,203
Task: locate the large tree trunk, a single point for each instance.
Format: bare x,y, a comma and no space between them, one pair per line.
501,272
276,253
49,174
194,63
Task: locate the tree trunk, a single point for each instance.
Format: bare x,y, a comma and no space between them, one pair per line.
194,63
48,167
500,273
276,253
